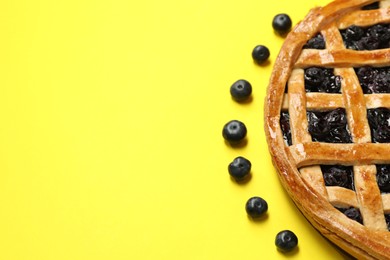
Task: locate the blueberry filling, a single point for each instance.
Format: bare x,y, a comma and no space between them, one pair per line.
285,125
352,213
317,42
372,6
387,218
367,38
379,121
329,126
321,80
338,175
374,80
383,177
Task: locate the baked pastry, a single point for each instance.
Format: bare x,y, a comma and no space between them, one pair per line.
327,123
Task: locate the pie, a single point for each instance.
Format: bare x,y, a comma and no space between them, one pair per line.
327,123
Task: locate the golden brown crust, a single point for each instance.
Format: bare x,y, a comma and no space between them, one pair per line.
297,164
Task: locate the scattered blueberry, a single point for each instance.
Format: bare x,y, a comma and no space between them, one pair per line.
234,131
352,213
383,177
379,121
338,175
282,23
240,168
241,90
260,54
286,240
373,79
321,80
329,126
317,42
285,126
256,207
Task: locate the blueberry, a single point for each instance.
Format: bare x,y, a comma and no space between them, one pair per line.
240,168
286,240
234,131
256,207
317,42
260,54
383,177
241,90
282,23
285,126
338,175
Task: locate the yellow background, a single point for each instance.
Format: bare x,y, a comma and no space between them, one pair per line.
110,132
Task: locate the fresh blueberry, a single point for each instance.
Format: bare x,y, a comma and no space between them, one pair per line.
234,131
260,54
286,240
241,90
240,168
282,23
256,207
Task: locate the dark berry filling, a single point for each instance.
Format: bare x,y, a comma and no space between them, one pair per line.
387,218
329,126
374,80
338,175
285,125
383,177
317,42
367,38
372,6
321,80
379,121
352,213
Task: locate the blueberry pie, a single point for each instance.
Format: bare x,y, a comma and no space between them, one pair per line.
327,122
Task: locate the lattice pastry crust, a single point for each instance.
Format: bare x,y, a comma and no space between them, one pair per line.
298,164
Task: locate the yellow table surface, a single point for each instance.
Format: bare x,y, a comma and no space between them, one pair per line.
110,133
